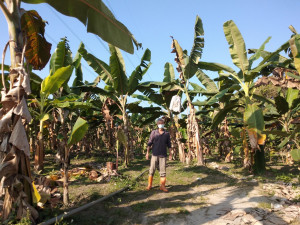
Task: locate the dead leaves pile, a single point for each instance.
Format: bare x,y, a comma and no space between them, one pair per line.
283,77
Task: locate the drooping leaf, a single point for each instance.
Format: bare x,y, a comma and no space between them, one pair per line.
257,54
118,72
208,83
37,48
274,56
254,119
263,99
237,46
97,18
93,89
137,75
181,56
295,48
135,108
100,67
220,116
169,74
78,132
215,67
198,45
53,82
197,88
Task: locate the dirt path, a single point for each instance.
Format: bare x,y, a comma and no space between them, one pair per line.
198,195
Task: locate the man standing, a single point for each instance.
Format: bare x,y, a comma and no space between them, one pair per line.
159,140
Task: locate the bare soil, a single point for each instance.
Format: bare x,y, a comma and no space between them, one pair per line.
197,195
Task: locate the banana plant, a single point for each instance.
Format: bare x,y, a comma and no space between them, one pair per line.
244,81
77,133
60,72
187,67
118,85
285,114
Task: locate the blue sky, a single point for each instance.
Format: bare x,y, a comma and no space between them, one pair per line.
153,22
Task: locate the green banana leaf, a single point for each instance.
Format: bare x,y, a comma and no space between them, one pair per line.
135,108
118,72
212,100
67,98
263,99
215,67
258,52
197,88
61,57
295,48
220,116
100,67
237,46
274,56
208,83
93,89
137,75
53,82
291,96
198,45
98,19
78,132
169,75
254,118
153,98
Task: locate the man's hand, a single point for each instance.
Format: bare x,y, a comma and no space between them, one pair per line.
147,155
170,156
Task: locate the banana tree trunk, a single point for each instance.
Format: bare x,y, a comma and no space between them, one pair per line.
259,165
53,132
247,159
66,177
65,163
39,153
126,147
180,145
195,136
14,146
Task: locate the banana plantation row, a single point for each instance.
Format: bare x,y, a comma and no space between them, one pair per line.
245,114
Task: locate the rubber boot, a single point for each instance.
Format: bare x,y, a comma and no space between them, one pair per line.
150,179
163,184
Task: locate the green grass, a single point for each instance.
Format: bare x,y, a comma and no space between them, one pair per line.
264,205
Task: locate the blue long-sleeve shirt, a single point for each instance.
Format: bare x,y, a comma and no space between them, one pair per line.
159,143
